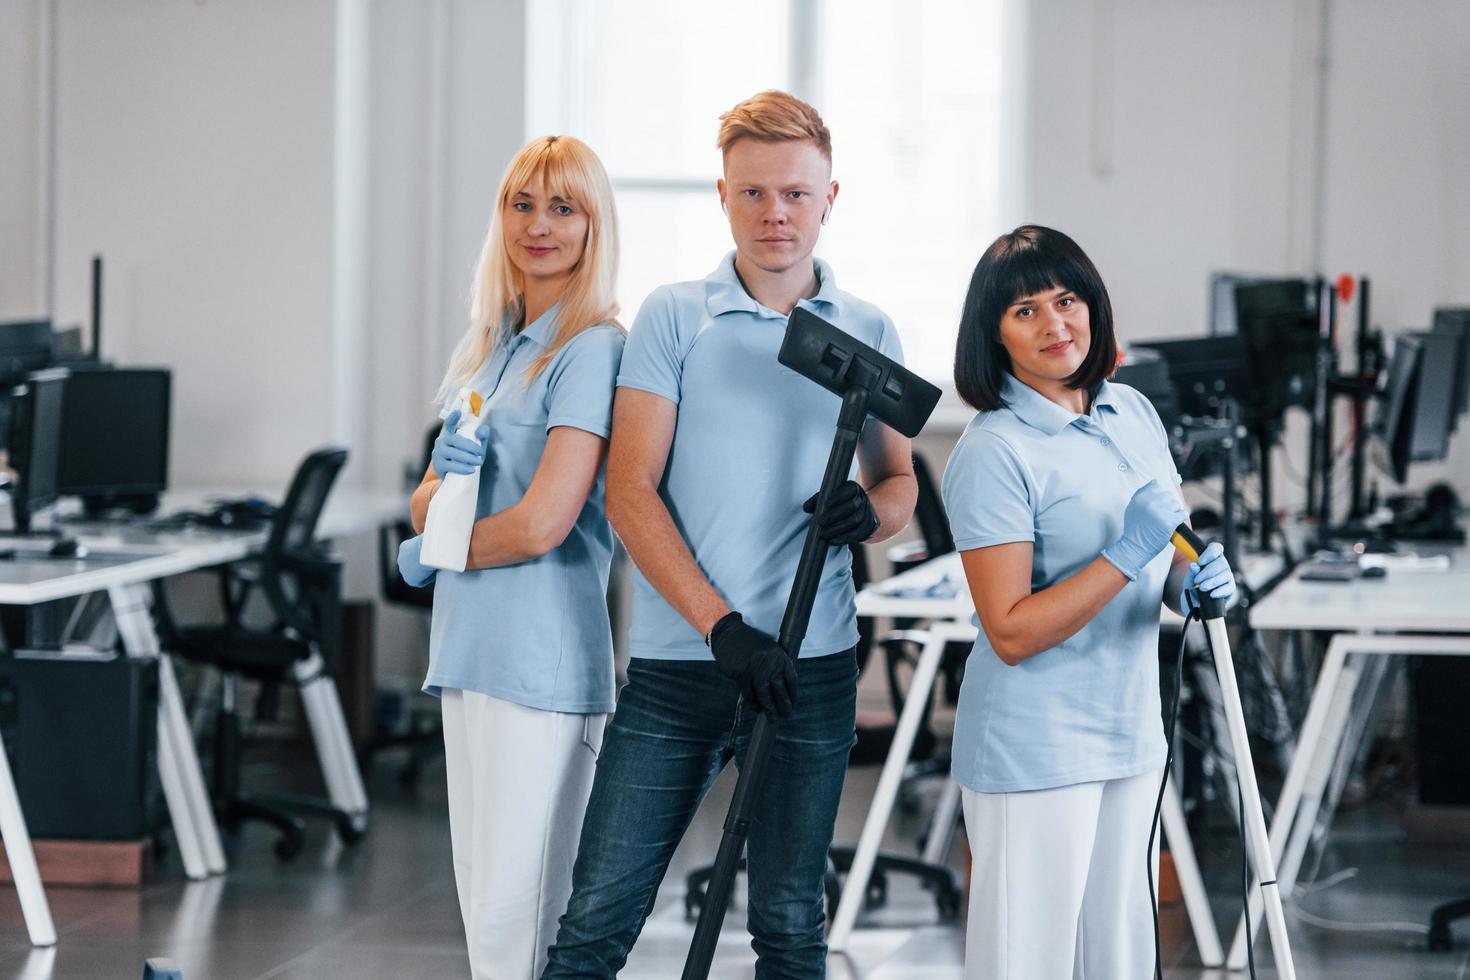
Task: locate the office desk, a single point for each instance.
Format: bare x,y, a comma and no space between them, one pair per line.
1408,612
937,591
123,560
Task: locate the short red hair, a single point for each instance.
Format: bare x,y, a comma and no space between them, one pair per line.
774,117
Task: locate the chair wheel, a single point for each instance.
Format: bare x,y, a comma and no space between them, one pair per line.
289,845
876,895
1439,938
947,900
352,828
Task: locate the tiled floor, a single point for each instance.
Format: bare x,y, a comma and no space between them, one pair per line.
387,910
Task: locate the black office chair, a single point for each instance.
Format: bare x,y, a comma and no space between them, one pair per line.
300,581
423,741
901,646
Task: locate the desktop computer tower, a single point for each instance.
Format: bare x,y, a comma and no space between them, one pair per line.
1441,690
81,736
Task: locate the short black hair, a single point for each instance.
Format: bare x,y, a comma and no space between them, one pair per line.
1029,260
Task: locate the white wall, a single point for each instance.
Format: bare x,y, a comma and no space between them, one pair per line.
21,53
1159,139
1397,188
1177,137
194,152
245,193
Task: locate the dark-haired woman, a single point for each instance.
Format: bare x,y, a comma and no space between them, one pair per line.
1063,496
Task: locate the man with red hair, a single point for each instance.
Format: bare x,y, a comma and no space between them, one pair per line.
716,451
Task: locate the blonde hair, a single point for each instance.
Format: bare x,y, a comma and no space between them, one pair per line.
571,170
774,117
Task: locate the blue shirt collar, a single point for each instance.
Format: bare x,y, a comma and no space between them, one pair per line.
723,292
1040,412
540,330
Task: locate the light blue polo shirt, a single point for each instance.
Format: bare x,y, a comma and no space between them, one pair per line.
1087,709
749,448
535,633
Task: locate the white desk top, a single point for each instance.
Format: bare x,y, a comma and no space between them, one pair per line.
1427,601
121,554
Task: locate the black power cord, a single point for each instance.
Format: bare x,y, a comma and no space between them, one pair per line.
1153,829
1245,876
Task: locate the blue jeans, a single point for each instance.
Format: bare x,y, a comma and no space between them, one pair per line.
677,724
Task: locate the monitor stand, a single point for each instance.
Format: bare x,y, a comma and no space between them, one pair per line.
101,506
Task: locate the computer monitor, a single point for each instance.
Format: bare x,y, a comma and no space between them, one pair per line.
26,346
1206,371
1279,323
1390,429
35,444
1416,414
114,437
1223,319
1434,403
1145,370
1457,322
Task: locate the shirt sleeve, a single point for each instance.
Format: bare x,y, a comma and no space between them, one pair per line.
579,388
988,493
653,360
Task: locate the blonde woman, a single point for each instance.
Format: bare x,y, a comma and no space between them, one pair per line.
520,649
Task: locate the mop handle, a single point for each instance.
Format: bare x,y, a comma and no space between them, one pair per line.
1188,542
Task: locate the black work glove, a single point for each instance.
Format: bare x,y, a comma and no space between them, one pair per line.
848,518
756,663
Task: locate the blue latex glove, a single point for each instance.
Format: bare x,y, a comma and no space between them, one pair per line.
1211,575
454,453
414,572
1148,523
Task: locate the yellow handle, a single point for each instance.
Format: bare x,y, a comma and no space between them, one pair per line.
1187,542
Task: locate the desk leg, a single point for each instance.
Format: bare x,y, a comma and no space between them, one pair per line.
1324,760
181,815
1379,674
172,713
883,797
1291,790
1196,899
23,861
333,744
178,763
942,825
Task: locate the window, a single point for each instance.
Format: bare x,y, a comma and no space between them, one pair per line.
911,92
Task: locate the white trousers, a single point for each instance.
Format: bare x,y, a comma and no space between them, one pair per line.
518,785
1059,888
